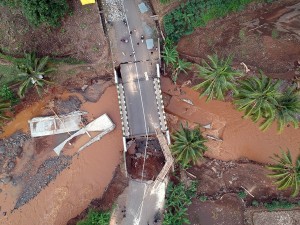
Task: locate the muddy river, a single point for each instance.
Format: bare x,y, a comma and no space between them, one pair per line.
241,137
74,188
90,172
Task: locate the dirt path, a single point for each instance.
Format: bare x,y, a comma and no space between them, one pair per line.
85,179
241,137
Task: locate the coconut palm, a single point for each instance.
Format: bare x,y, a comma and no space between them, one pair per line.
219,77
180,66
285,172
288,108
188,145
32,73
170,54
258,97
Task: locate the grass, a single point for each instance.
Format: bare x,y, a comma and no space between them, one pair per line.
178,198
196,13
242,34
275,34
96,218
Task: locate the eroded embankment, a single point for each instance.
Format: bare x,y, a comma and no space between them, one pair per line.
241,137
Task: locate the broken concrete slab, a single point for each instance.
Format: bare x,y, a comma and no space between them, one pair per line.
102,124
57,124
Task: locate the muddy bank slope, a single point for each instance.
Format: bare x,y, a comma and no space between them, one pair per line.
264,36
241,137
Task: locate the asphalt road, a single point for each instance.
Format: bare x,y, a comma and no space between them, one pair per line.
138,67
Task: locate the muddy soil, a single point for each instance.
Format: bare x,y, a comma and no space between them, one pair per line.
264,36
41,187
237,137
81,35
221,182
114,189
154,161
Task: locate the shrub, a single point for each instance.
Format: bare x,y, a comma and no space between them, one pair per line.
242,194
279,205
7,95
10,3
178,198
194,13
255,203
203,198
49,12
96,218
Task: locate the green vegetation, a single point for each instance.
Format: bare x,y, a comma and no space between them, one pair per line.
178,198
188,145
4,107
165,1
171,57
219,77
279,205
10,3
285,172
7,94
275,34
38,12
32,74
242,194
287,108
258,96
255,203
194,13
96,218
203,198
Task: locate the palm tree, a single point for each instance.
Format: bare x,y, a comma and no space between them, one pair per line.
180,66
288,108
32,73
285,172
188,145
258,97
219,77
170,54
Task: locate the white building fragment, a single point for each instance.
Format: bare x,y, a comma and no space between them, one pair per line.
50,125
43,126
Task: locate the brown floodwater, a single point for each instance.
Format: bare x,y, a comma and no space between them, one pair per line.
85,179
241,137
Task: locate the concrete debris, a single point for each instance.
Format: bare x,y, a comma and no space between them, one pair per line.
102,124
43,126
188,101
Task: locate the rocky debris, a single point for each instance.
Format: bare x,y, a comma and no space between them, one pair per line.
94,91
71,104
11,148
18,151
10,165
2,149
114,10
219,177
45,174
6,180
